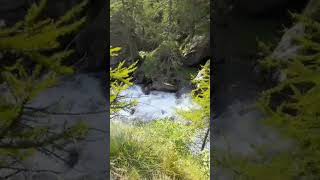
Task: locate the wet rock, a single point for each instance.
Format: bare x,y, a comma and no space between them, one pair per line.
183,90
146,89
163,86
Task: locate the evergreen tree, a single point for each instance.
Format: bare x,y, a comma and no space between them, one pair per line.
153,21
293,105
160,32
33,60
200,115
120,79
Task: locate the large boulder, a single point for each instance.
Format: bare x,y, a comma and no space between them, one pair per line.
162,85
197,50
287,49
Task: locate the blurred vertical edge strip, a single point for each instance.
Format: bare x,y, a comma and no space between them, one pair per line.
212,90
107,3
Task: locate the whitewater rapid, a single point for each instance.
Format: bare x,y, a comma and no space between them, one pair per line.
155,105
158,105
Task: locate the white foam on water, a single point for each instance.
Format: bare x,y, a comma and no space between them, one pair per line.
155,105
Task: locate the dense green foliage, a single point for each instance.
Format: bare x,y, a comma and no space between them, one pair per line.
292,106
158,149
166,55
33,60
161,34
157,21
294,103
200,116
120,80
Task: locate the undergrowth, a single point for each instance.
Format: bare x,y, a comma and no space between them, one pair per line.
157,150
292,107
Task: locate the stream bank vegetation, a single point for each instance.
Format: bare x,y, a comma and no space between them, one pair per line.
159,149
292,107
163,47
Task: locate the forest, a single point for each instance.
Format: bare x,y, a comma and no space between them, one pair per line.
160,89
257,120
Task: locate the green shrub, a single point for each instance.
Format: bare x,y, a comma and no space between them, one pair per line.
293,107
159,148
200,115
163,61
34,59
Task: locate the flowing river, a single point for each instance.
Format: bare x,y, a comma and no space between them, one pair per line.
155,105
159,105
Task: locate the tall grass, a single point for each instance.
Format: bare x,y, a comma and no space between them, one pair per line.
157,150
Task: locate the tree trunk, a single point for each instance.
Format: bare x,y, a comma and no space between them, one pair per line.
205,139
